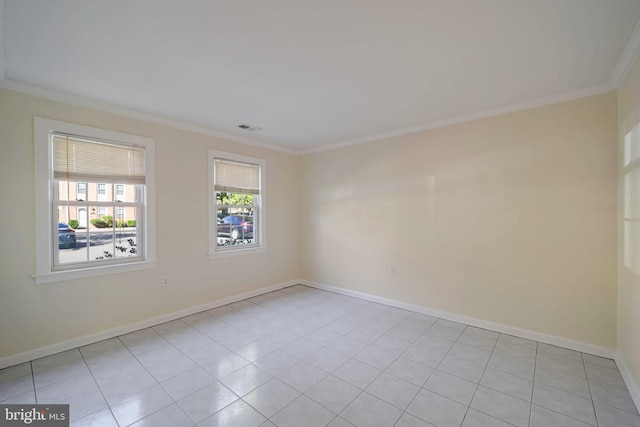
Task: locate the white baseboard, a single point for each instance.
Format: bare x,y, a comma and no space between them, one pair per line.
634,389
498,327
125,329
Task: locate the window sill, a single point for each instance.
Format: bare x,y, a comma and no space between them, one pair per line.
58,276
236,252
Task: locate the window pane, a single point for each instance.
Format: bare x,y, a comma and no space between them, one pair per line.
235,225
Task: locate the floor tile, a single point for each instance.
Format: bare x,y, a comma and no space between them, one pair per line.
333,393
246,379
158,355
206,401
408,370
347,346
302,376
106,373
514,350
424,356
301,348
462,368
16,387
613,396
367,410
437,410
605,375
237,414
271,397
127,386
438,344
304,356
481,332
103,346
14,372
450,386
502,406
510,339
357,373
276,362
512,365
56,360
393,390
339,422
559,351
478,419
568,404
326,359
376,357
600,361
164,370
612,417
140,405
26,398
408,420
562,381
560,363
170,416
85,403
479,341
101,418
543,417
303,412
224,365
65,389
206,353
470,353
504,382
256,350
186,383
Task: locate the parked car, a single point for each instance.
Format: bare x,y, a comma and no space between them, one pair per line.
236,227
66,236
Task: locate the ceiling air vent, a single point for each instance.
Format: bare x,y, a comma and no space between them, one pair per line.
249,127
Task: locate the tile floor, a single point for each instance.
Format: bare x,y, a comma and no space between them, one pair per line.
304,357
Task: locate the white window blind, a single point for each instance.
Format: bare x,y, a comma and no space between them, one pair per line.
75,159
234,177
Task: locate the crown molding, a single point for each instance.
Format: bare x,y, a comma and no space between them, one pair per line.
78,101
627,60
538,102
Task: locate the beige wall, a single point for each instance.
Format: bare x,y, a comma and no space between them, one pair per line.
32,316
509,219
629,242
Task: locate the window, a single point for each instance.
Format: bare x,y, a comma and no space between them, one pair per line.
81,191
237,197
102,192
119,192
95,163
631,193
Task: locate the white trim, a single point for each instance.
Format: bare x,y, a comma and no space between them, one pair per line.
235,252
627,60
634,389
42,129
79,101
498,327
132,327
82,273
538,102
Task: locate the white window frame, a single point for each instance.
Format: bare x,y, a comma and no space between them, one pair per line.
43,135
260,219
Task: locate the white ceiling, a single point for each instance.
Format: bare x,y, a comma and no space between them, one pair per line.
318,74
